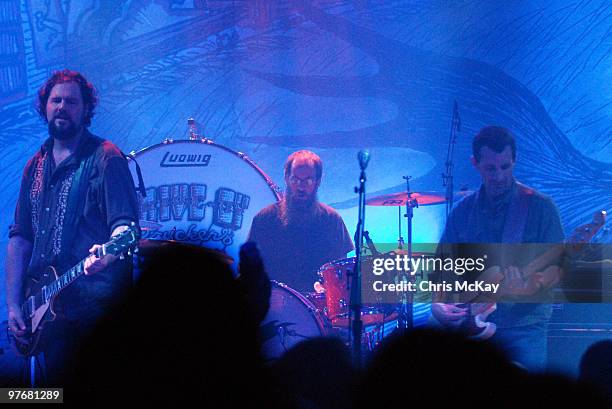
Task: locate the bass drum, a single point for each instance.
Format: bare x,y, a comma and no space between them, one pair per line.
200,193
291,319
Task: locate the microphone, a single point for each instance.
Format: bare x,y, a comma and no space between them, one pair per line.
364,158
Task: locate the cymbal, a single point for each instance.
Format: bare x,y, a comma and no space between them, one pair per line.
422,198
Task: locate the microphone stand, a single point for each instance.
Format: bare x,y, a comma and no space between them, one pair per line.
355,299
447,177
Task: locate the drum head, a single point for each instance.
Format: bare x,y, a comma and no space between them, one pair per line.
200,193
290,320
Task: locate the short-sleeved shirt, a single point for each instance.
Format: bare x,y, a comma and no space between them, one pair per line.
41,208
294,252
475,219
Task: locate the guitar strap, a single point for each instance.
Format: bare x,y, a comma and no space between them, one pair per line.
516,218
77,195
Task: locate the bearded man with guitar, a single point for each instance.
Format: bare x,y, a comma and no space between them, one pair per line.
506,211
76,193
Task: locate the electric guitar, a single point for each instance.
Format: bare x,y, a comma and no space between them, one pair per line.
537,273
37,309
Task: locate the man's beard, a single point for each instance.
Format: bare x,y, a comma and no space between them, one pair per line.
297,211
64,134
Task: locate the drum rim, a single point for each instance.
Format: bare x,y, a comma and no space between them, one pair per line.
276,191
321,319
334,263
347,260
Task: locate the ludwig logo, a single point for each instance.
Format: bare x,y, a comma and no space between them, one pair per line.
184,160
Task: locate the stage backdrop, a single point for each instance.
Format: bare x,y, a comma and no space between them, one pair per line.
270,77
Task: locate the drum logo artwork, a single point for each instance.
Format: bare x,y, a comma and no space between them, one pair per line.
181,212
199,192
183,160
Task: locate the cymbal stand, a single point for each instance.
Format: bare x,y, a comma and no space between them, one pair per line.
405,316
400,239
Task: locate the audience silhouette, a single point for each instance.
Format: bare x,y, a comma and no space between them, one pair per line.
188,334
596,368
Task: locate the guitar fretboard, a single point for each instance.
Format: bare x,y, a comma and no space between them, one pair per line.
118,245
63,281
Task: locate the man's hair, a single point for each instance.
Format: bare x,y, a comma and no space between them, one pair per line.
495,138
308,156
88,92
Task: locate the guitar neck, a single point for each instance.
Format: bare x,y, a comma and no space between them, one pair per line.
122,243
65,279
69,276
46,293
573,245
544,260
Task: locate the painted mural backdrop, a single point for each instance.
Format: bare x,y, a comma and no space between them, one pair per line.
269,77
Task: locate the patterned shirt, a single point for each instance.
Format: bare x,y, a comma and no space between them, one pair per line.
41,208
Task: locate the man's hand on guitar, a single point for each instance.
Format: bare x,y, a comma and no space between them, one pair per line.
15,321
515,284
95,264
448,314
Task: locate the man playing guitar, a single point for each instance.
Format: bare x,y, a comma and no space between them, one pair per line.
76,192
505,211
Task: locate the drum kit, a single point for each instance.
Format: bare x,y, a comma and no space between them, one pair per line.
203,193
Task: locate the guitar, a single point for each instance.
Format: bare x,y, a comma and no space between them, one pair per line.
537,273
37,309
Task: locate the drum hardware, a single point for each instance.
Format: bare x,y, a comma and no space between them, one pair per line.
276,188
193,132
290,319
193,135
318,287
377,322
373,336
400,238
370,243
318,300
410,200
375,328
